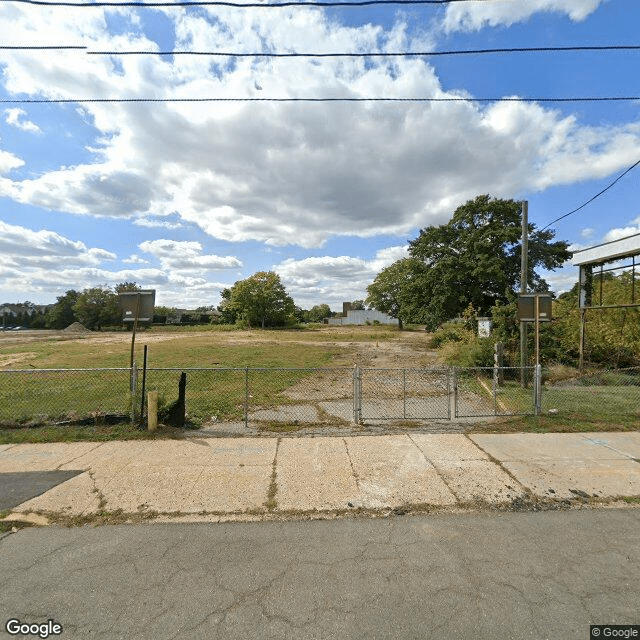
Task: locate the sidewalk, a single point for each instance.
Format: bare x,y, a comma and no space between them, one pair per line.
212,479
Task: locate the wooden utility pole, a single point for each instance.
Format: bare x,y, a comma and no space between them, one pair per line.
523,289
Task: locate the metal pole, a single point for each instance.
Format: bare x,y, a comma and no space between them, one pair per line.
144,383
537,330
523,289
135,326
246,397
404,393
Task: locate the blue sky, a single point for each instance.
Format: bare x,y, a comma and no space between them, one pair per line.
189,198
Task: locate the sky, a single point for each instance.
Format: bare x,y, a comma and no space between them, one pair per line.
189,197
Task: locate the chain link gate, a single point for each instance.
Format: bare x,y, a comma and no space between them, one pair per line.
401,394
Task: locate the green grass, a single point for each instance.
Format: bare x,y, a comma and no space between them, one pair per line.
81,434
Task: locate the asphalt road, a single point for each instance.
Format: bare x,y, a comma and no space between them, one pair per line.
471,576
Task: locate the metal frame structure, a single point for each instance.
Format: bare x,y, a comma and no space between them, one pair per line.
627,248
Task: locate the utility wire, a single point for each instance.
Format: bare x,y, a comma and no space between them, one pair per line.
369,54
566,215
344,99
52,47
242,5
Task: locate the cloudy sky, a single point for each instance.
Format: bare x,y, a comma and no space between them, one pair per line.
189,197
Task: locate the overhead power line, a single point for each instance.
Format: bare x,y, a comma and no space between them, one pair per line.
369,54
343,99
582,206
242,5
29,47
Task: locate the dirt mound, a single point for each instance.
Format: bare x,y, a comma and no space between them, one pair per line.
77,327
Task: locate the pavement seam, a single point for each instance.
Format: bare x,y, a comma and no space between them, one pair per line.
424,455
98,445
271,503
353,470
600,443
498,463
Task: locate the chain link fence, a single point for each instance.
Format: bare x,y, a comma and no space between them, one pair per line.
45,396
494,391
597,395
308,397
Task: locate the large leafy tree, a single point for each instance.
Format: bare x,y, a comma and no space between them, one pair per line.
398,289
61,315
260,300
475,258
97,307
317,313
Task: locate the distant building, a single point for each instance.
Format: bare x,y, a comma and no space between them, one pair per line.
361,316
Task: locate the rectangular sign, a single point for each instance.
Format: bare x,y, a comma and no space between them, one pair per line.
128,302
527,307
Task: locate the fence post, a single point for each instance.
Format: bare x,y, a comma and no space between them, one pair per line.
498,357
357,395
246,397
134,381
538,390
455,391
404,393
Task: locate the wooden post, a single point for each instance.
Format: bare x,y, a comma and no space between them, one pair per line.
152,411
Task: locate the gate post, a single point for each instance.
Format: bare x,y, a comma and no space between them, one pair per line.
538,390
246,397
357,395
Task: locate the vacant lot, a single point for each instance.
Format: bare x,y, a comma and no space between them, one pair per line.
371,346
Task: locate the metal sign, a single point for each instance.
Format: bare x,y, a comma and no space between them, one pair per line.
141,302
527,307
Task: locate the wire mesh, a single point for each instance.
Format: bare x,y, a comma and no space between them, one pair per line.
405,394
63,395
300,396
491,391
600,395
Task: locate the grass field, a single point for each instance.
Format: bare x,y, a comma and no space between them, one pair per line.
220,392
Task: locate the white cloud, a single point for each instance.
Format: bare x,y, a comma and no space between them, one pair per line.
333,280
14,118
8,162
289,173
472,16
621,232
587,232
20,246
135,259
185,256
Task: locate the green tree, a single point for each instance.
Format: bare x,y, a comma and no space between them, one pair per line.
62,313
261,300
97,307
123,287
475,258
358,305
317,313
397,288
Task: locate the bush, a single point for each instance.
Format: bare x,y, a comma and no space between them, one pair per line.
450,332
477,352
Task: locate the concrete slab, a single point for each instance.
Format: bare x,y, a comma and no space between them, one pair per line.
391,471
43,457
560,479
342,409
627,444
192,476
18,487
544,446
444,446
561,465
73,497
314,473
466,469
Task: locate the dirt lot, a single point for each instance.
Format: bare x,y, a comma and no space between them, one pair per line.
365,346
